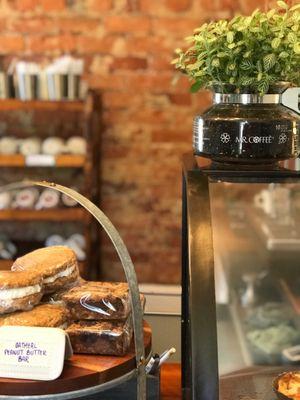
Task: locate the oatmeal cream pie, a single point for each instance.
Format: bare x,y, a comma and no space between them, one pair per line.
19,290
43,315
57,265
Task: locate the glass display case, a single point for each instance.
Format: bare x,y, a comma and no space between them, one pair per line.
241,280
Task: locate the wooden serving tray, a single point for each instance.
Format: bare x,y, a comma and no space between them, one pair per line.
80,372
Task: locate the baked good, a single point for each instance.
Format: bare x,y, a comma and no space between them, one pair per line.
288,384
101,337
98,301
45,315
56,297
19,290
57,265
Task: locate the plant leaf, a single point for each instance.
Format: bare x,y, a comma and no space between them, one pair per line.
275,43
269,61
292,37
295,7
282,4
196,86
246,80
246,65
230,37
297,48
284,54
263,86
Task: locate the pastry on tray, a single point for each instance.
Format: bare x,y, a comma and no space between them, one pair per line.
101,337
19,290
57,265
43,315
98,301
287,385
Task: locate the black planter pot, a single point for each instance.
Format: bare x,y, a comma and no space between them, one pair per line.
247,129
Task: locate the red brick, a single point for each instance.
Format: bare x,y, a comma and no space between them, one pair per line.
100,5
78,24
120,24
181,99
160,82
3,24
35,25
174,135
161,62
25,5
53,5
54,43
176,27
247,6
147,45
117,99
11,43
106,81
129,63
209,5
178,6
88,44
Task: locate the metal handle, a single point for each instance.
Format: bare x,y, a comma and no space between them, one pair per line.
137,313
290,98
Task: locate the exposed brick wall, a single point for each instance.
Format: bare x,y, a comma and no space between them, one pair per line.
128,46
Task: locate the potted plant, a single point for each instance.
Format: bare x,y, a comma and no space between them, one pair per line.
251,63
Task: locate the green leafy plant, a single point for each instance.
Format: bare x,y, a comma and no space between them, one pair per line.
247,53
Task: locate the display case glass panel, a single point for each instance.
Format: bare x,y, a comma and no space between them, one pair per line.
256,240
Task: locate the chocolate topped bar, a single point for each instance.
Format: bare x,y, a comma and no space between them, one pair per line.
103,338
98,301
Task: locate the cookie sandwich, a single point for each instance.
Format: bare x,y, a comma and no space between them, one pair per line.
57,265
19,290
43,315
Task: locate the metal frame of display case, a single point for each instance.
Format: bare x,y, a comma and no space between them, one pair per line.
200,375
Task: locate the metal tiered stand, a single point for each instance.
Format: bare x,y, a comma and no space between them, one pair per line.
91,377
200,367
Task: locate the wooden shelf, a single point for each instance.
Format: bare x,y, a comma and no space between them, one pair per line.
54,214
66,105
84,168
82,371
5,264
62,161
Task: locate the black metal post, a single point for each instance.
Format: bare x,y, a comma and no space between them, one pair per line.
199,331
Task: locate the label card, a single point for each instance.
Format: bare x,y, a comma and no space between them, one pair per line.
40,160
33,353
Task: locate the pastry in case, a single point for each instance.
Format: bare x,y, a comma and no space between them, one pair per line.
57,265
43,315
101,337
19,290
98,301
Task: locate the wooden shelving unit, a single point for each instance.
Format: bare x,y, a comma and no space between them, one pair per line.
61,161
67,105
85,168
53,214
